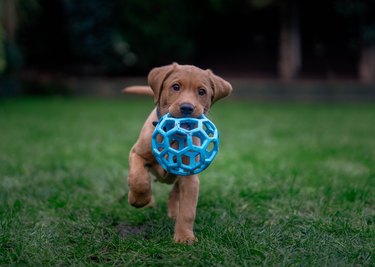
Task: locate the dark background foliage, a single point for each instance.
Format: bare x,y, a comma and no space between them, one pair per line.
126,37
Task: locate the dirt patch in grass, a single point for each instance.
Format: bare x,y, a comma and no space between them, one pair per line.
127,230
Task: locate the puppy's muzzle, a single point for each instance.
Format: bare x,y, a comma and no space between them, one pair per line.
186,109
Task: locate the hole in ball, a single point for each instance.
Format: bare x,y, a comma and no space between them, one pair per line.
210,147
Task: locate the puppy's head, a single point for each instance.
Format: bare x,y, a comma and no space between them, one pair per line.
185,90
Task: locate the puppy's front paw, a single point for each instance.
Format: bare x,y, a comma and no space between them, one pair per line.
151,204
140,200
185,239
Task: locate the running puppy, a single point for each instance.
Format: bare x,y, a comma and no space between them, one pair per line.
182,91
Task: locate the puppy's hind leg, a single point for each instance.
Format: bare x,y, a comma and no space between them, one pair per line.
139,182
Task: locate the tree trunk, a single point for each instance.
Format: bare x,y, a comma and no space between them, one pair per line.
290,43
367,63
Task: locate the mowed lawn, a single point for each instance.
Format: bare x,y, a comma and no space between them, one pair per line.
292,185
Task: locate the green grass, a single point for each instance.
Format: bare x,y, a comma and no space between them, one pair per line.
293,184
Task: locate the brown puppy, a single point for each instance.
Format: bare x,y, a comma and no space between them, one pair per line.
181,90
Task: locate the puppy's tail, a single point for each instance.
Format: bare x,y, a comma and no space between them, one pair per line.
139,90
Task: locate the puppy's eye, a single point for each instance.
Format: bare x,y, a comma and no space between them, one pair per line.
176,87
202,92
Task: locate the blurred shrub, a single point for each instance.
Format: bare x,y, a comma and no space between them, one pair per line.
122,35
91,33
158,31
55,87
361,12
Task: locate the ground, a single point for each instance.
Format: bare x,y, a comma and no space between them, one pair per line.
293,184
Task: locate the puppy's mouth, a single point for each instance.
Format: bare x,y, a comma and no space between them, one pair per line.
185,110
197,113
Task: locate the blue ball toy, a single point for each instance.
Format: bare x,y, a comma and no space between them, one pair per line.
185,146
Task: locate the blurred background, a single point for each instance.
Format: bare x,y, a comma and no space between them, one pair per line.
268,49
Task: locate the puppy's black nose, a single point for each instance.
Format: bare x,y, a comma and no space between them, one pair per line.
186,109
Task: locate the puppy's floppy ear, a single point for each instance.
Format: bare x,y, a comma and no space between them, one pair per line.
221,87
156,78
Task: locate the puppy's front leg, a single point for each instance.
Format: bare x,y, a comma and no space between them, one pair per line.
188,199
138,181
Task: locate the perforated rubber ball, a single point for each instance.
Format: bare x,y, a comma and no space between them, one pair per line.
185,146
